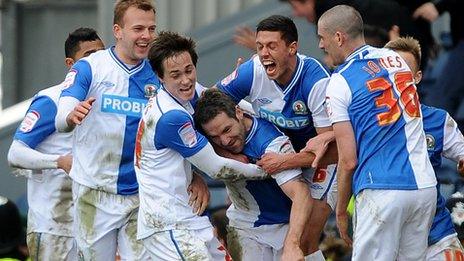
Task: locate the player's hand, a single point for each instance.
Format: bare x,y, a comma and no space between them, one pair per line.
245,37
199,194
460,166
272,162
342,224
292,252
64,162
76,116
318,146
427,11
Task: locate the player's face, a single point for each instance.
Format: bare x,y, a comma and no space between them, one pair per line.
329,43
304,9
135,35
226,132
275,55
180,76
412,64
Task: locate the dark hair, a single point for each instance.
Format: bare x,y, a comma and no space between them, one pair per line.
282,24
211,104
169,44
121,7
71,45
375,36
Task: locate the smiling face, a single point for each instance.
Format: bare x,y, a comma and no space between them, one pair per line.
276,56
227,132
135,34
179,76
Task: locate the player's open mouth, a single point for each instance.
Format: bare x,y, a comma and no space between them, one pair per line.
142,45
270,67
188,89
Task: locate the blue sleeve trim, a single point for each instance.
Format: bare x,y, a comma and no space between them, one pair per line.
38,123
238,84
175,130
78,80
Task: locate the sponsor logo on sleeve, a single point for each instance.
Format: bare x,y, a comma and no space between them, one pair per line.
229,78
70,77
29,121
188,135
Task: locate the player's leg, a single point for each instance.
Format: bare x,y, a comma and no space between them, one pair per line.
324,191
378,221
183,245
244,247
415,231
448,248
98,218
44,246
129,247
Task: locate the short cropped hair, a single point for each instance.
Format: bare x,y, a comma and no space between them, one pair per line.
121,7
211,104
282,24
407,44
169,44
83,34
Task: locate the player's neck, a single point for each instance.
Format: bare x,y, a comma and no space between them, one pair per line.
247,121
123,57
286,77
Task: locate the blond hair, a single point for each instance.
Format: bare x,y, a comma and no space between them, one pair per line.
406,44
121,7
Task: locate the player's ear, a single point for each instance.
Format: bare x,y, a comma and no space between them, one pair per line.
418,77
293,47
69,62
117,31
238,112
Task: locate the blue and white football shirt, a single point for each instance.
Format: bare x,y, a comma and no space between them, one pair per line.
296,108
166,137
443,139
103,145
49,191
374,89
261,202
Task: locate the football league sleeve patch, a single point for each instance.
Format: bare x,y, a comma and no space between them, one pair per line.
77,81
175,130
38,123
238,84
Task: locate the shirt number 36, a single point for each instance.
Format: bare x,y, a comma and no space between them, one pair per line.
404,85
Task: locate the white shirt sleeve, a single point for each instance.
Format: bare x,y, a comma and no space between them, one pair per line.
283,145
222,168
338,99
453,140
65,106
315,103
22,156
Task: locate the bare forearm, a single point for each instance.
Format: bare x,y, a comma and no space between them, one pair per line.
344,178
300,211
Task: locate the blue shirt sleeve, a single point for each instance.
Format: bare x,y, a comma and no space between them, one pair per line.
78,80
175,130
38,123
313,72
238,84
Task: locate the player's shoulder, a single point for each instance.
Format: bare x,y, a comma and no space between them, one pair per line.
265,128
432,111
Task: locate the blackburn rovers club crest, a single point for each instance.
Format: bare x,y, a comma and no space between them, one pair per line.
150,90
430,142
299,107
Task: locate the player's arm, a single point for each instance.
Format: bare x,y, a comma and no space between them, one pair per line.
337,102
22,156
73,106
238,84
298,191
453,143
176,131
36,126
347,162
